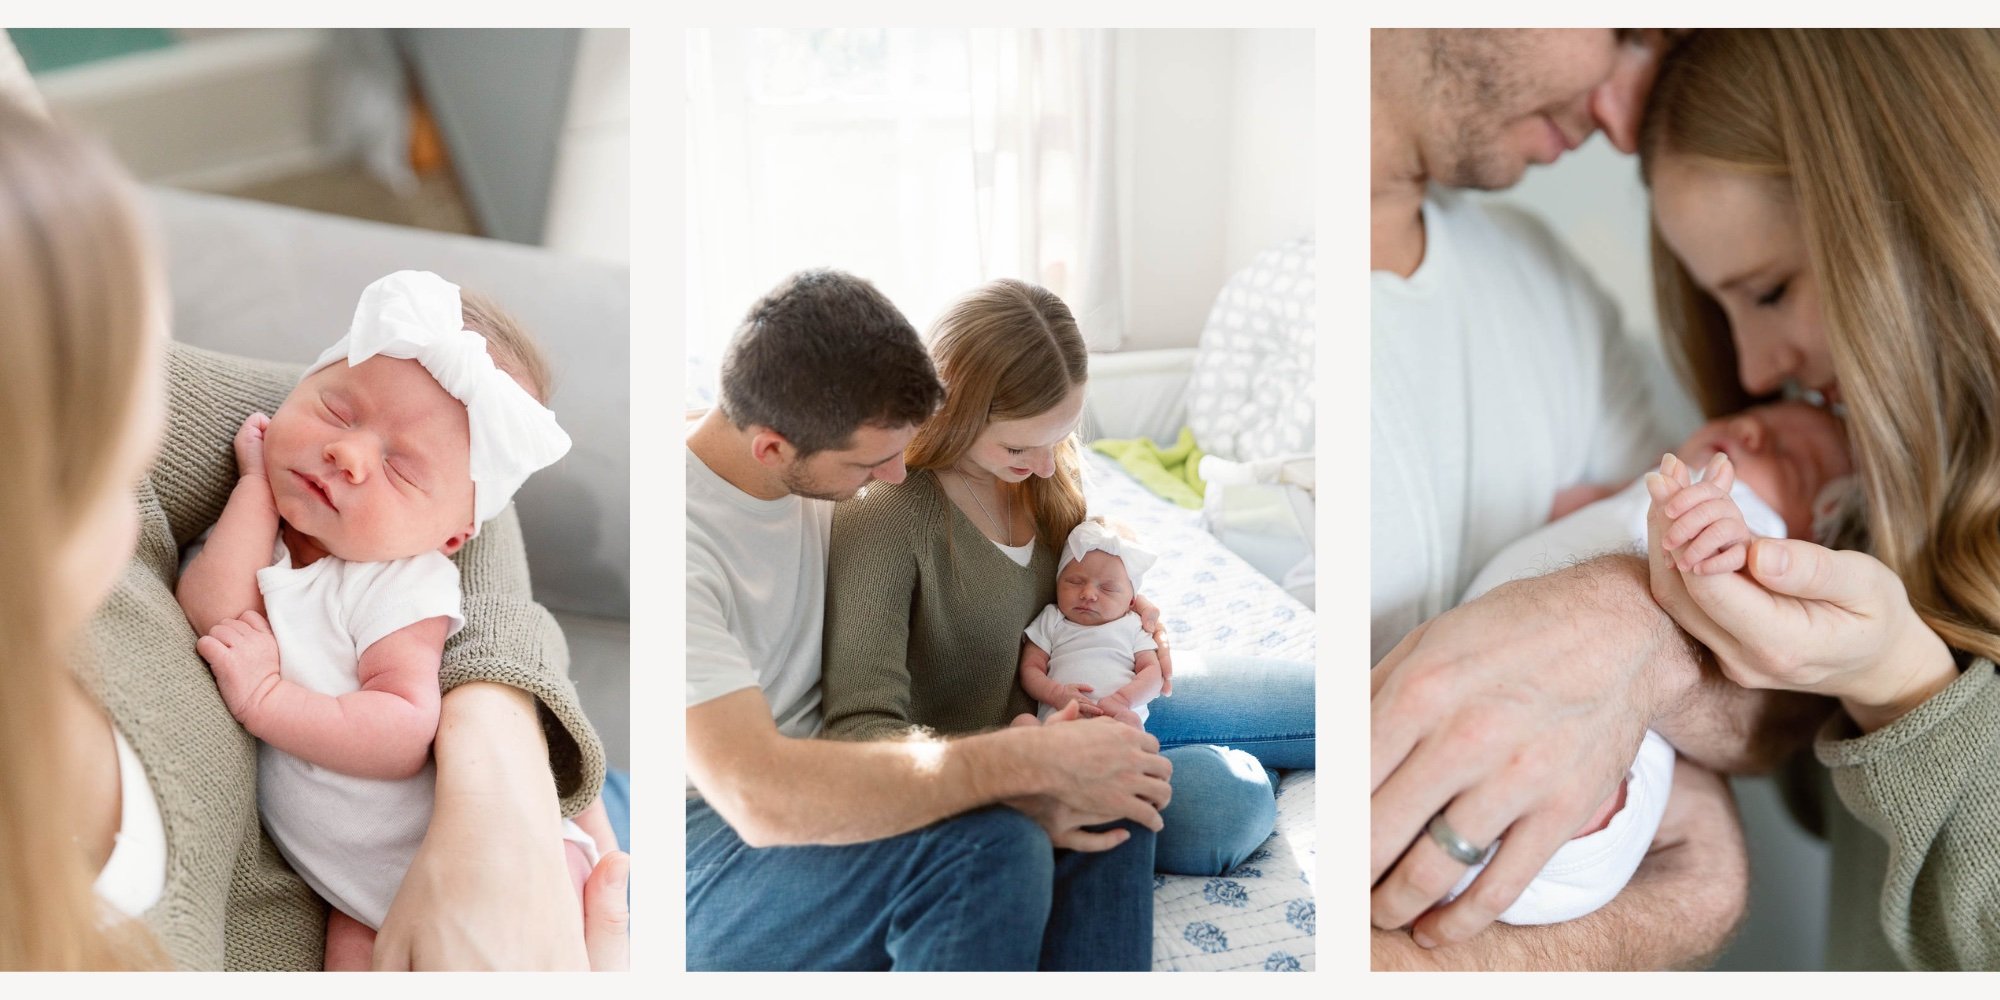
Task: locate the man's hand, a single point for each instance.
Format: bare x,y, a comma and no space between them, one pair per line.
1109,771
1678,911
1516,713
243,655
249,445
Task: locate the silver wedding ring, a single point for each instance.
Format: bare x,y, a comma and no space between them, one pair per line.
1460,849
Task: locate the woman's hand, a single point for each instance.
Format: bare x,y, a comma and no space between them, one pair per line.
1150,623
1803,618
490,887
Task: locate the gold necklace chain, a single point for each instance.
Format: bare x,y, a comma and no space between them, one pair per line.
1006,533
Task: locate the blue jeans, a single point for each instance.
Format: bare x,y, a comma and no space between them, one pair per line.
983,891
1231,720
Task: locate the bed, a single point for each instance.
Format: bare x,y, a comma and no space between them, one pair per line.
1261,915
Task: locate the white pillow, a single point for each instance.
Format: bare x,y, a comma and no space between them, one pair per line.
1251,395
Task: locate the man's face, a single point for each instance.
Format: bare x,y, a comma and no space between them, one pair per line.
872,453
1497,100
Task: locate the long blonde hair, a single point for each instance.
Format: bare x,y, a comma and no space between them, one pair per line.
73,318
1886,142
1008,351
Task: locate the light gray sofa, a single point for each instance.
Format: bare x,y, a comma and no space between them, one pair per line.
280,283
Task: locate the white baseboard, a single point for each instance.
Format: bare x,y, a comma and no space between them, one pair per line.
214,111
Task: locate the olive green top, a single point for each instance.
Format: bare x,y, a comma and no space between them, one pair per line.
924,616
1915,835
230,900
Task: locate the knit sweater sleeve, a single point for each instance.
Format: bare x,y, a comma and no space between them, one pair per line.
1929,785
871,581
508,638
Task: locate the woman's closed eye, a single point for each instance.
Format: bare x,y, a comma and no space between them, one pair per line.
1772,297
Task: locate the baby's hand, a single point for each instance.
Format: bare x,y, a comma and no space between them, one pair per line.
243,655
250,445
1706,533
1062,694
1116,706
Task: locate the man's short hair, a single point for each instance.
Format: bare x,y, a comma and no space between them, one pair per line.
821,355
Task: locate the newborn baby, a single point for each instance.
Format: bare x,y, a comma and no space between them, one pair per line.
1090,639
324,594
1791,463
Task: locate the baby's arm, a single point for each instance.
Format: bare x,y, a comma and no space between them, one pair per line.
1142,688
221,581
1036,681
383,730
1706,533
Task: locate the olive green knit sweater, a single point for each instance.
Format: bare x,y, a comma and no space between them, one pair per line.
1916,833
230,900
923,617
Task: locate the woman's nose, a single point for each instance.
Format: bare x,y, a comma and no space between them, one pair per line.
1764,368
1045,463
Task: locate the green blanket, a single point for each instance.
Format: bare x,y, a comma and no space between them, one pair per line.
1169,472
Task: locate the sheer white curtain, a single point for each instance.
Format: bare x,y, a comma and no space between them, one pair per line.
1042,115
925,160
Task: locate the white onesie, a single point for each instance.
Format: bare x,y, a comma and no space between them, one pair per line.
1097,655
1586,872
350,838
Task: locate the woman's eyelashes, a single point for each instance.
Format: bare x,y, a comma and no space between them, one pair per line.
1771,297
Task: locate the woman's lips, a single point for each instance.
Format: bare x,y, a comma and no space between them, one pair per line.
1020,472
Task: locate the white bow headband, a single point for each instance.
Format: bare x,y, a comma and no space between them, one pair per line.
1096,535
416,315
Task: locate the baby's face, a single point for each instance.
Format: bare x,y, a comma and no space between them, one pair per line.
1785,452
1095,589
373,462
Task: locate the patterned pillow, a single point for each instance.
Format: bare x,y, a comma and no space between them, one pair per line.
1251,395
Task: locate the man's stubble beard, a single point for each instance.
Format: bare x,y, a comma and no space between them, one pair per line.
1468,76
797,483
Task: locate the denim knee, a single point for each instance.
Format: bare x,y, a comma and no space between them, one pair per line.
1223,809
1002,851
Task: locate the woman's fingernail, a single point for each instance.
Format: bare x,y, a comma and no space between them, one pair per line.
1772,559
1423,940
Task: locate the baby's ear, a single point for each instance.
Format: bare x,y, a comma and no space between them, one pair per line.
454,543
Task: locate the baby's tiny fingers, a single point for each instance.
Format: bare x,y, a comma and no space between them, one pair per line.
210,648
1692,496
1718,536
1684,528
256,621
1729,560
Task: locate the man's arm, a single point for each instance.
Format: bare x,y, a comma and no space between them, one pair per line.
1462,713
774,790
1678,912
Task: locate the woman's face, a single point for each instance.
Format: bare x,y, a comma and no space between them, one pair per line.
1740,238
1013,450
89,564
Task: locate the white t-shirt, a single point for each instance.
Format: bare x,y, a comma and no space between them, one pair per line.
1097,655
135,875
756,596
350,838
1500,377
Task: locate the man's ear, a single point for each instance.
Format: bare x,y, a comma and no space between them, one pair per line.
770,448
454,543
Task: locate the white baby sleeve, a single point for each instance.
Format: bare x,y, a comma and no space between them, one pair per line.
1588,871
1041,630
400,593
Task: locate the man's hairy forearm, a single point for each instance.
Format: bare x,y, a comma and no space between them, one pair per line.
1678,912
1708,718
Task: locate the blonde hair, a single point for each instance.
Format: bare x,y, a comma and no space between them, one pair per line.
1008,351
73,318
513,351
1886,143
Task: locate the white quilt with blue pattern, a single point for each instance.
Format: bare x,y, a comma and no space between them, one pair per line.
1262,914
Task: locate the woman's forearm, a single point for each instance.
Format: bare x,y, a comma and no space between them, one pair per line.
491,754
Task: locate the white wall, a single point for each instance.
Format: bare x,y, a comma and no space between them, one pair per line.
1215,151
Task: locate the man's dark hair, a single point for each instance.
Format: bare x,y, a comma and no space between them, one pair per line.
822,354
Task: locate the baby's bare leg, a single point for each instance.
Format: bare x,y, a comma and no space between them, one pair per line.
350,945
